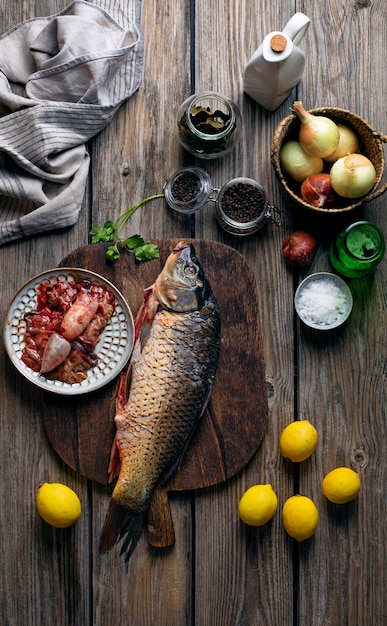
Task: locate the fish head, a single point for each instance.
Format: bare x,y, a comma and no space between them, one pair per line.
182,285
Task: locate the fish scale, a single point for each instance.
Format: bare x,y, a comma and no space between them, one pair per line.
155,393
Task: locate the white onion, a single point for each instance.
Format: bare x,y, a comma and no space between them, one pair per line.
353,176
319,135
298,163
348,144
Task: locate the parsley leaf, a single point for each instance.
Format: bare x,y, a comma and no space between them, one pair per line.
134,242
147,252
110,231
103,233
112,253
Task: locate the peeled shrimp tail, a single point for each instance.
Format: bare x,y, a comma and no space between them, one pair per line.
121,524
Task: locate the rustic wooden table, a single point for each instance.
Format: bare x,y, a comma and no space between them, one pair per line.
219,572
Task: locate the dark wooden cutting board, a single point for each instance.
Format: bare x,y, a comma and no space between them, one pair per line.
81,428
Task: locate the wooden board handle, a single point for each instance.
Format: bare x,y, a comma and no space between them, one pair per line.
161,533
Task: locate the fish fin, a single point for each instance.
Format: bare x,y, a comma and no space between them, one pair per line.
178,461
120,523
128,382
145,316
115,518
131,529
175,465
123,386
121,399
114,461
206,399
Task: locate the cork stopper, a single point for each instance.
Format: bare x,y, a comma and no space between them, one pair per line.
278,43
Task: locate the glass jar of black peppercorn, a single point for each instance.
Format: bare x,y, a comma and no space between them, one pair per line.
241,207
188,189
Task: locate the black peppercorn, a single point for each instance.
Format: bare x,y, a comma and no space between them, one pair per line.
241,207
243,202
186,186
188,190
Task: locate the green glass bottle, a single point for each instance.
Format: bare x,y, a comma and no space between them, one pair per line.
357,250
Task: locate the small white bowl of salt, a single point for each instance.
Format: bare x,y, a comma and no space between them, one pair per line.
323,301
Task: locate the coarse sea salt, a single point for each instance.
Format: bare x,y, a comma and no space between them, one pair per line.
322,302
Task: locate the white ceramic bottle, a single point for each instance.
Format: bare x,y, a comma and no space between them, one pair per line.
277,66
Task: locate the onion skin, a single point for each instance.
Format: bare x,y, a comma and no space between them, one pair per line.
353,176
319,135
299,248
298,163
348,144
317,190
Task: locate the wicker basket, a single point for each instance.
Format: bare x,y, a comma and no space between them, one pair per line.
370,145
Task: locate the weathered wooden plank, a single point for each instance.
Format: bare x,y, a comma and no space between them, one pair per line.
342,393
252,567
139,150
131,160
45,571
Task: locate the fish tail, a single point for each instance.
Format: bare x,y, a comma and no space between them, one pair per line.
119,524
132,531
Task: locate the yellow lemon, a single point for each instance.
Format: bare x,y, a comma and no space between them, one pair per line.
58,505
300,517
257,505
341,485
298,440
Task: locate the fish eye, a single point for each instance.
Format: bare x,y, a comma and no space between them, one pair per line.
189,270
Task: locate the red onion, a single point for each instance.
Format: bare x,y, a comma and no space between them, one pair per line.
317,190
299,248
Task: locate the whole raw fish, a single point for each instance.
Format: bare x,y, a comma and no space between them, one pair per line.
169,380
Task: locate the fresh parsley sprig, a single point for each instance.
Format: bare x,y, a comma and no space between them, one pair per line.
110,231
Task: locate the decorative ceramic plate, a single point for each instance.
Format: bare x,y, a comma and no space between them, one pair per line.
113,349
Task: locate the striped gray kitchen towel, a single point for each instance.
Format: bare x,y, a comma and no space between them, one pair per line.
62,79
